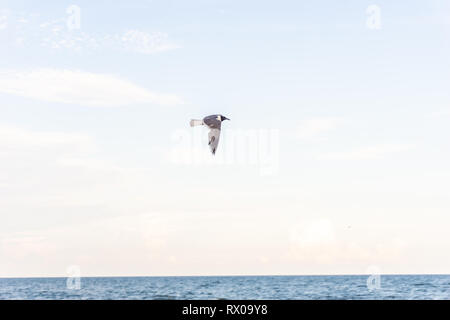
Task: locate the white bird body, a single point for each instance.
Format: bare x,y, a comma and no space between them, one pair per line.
214,123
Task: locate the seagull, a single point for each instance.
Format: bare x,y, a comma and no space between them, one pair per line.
214,123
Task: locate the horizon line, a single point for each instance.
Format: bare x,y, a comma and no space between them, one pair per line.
224,276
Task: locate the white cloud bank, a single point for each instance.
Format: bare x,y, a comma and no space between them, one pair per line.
318,241
79,87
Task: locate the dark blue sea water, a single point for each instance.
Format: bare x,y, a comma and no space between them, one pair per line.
242,287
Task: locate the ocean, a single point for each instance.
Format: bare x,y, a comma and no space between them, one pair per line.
229,287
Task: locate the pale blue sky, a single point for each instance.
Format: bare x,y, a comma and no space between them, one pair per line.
88,118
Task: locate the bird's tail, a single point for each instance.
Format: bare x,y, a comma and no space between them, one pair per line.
196,122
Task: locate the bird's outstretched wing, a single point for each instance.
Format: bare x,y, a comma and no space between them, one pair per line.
212,122
213,137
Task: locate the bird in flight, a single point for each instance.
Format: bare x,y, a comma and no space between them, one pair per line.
214,123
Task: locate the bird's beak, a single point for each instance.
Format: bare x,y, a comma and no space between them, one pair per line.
225,118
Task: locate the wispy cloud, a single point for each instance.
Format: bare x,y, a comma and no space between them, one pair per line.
316,128
440,113
62,168
18,138
79,87
3,19
368,153
55,34
147,43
